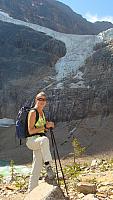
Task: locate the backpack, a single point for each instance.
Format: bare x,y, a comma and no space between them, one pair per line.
22,123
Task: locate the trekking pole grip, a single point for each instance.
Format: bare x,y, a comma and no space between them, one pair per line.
51,130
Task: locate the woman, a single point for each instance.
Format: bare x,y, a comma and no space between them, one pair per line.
38,142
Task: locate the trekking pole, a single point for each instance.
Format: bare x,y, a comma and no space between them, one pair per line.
57,167
57,170
54,145
55,160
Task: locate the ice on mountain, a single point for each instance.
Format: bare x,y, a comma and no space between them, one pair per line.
78,47
79,84
78,75
107,35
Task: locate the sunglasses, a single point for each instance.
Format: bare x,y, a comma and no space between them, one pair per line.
41,99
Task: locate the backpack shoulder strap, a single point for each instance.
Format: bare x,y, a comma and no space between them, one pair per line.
37,114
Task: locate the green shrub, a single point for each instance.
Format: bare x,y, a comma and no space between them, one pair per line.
21,182
72,171
78,149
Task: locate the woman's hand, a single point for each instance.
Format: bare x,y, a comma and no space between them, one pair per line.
50,125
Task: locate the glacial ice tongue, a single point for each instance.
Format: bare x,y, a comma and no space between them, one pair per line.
78,47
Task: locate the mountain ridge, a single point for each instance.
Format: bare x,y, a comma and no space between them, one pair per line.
52,14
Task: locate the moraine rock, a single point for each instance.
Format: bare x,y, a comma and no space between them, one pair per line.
86,188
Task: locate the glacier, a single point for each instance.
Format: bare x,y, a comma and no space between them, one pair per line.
78,47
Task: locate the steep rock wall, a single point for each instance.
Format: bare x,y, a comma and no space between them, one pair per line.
26,58
95,97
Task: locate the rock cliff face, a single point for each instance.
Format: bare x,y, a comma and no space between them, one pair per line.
26,56
52,14
96,97
98,73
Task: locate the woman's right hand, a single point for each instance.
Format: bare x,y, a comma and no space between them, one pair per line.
50,125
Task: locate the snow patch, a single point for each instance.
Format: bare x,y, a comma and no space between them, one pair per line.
5,122
4,15
107,35
41,4
79,84
78,75
59,86
41,17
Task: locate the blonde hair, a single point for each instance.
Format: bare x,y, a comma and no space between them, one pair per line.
40,94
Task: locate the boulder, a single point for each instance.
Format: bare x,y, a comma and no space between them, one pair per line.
45,191
86,188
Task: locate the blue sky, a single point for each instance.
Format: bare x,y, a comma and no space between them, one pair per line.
92,10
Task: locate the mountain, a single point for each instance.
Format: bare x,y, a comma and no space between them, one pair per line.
102,26
52,14
35,51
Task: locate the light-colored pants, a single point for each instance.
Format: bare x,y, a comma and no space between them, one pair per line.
41,153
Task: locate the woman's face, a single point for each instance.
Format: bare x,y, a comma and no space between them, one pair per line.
41,101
